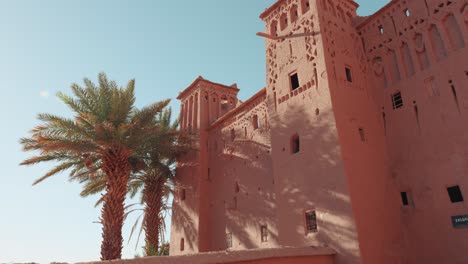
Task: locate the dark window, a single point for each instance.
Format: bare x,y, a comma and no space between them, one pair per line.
455,194
349,77
362,134
264,233
311,222
233,134
182,194
182,244
294,81
404,198
255,122
397,100
229,240
295,144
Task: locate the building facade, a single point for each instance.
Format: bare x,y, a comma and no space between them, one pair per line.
357,143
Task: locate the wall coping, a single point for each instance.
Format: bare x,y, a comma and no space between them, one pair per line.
229,256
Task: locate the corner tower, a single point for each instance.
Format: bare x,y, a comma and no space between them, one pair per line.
202,103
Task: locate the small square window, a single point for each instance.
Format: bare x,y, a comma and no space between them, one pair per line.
295,144
455,194
294,79
311,222
406,198
349,76
264,233
229,240
397,100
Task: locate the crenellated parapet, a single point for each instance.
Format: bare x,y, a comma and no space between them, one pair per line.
203,102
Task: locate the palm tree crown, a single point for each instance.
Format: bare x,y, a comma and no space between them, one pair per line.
107,137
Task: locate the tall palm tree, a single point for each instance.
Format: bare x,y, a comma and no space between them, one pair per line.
107,136
155,180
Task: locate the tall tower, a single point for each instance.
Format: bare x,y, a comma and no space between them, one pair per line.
329,154
202,103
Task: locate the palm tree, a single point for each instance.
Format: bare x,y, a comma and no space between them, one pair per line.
155,180
107,137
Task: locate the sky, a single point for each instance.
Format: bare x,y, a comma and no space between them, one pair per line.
47,45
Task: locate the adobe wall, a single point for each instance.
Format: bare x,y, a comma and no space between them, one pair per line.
309,255
373,193
313,178
418,48
241,181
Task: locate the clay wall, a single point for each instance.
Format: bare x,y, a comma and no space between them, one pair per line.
373,194
241,184
313,176
418,48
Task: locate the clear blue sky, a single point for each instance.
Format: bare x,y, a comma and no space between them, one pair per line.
46,45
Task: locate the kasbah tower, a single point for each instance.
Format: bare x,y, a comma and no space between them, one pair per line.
357,144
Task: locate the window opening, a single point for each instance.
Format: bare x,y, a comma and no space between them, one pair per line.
295,144
416,113
182,194
255,122
233,135
362,134
349,76
455,97
311,222
264,233
407,12
397,100
406,198
229,240
384,119
182,244
294,81
455,194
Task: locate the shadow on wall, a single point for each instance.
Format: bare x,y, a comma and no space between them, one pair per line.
244,197
183,214
313,178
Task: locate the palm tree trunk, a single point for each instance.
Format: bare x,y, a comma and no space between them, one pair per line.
117,169
152,196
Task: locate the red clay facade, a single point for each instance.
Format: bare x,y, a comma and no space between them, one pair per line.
357,143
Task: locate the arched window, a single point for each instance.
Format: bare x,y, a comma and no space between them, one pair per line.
295,144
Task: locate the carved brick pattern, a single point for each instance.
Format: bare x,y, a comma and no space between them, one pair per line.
414,32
